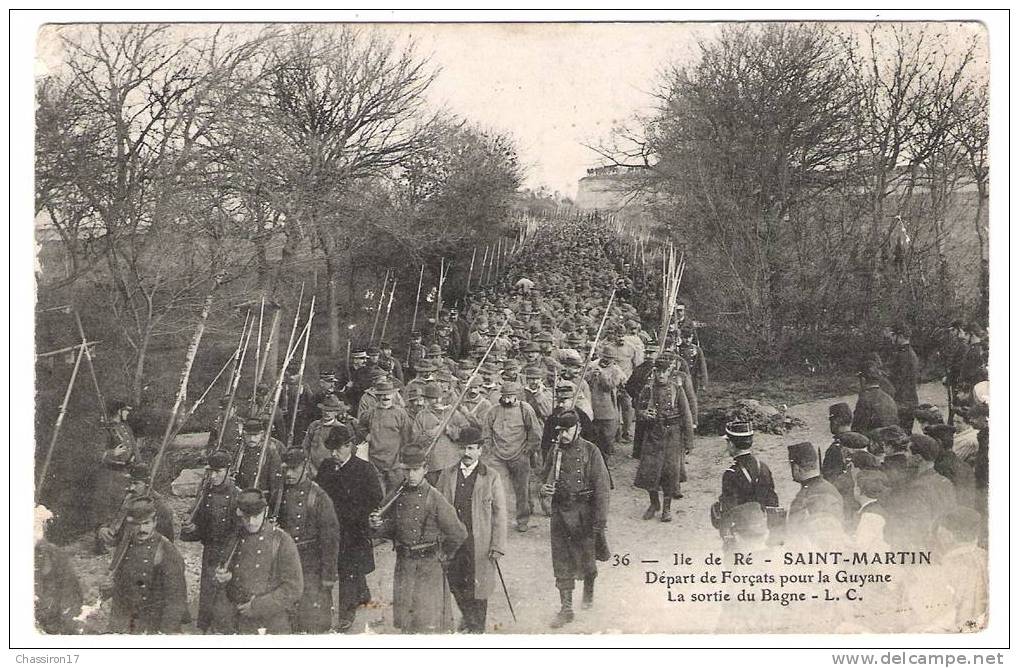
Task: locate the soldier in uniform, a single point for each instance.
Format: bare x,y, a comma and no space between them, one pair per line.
415,354
233,432
693,354
905,375
638,379
306,405
475,492
261,581
214,523
360,378
747,480
251,455
579,494
836,466
334,416
148,588
426,533
874,408
306,512
353,485
816,497
387,360
138,486
113,475
662,406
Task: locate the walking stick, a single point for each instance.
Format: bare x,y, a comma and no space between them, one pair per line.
91,367
504,590
60,421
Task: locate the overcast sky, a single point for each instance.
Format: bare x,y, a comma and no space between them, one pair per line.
553,87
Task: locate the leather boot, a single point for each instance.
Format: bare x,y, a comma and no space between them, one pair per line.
666,508
565,614
652,509
588,599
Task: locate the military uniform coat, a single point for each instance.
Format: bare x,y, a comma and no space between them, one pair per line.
355,492
874,409
488,521
421,518
271,478
308,515
666,437
747,479
149,592
109,484
574,520
215,523
816,497
266,570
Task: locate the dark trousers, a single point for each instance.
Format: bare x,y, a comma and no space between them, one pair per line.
352,592
605,436
460,577
906,418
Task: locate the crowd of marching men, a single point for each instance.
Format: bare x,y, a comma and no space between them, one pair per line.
522,398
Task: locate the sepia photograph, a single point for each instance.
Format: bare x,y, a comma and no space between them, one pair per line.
377,328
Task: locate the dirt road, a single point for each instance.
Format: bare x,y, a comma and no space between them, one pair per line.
624,603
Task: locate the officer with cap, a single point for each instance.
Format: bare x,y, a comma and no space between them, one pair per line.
837,462
113,475
213,523
261,581
816,497
565,393
475,492
416,352
577,482
306,512
251,456
747,480
148,588
426,534
354,487
694,357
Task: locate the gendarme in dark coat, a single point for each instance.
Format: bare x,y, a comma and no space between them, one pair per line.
874,409
215,523
579,506
149,592
816,497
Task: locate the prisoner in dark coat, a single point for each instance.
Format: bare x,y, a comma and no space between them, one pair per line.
874,408
817,497
354,487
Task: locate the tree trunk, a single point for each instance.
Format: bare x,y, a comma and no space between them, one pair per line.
332,310
139,370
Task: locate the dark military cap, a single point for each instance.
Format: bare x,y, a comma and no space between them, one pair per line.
748,519
361,355
327,375
803,454
853,440
873,483
841,413
331,403
894,436
945,433
412,455
140,509
118,405
253,426
415,334
336,438
663,361
385,345
432,391
928,414
219,460
565,420
739,429
469,435
373,350
565,390
139,471
295,457
251,502
925,446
